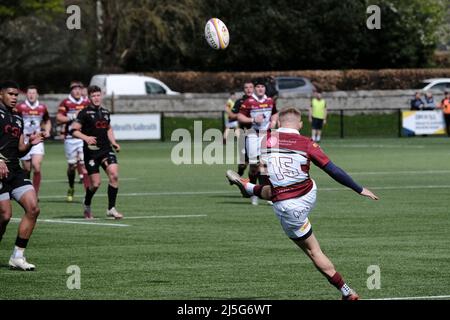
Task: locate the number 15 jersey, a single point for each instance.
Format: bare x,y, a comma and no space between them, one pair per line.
288,156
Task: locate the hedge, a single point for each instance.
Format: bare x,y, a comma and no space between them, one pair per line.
326,80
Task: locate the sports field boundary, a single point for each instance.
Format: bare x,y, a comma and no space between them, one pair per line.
413,298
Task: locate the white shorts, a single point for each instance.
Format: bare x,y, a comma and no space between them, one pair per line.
37,149
231,124
253,147
293,213
74,150
16,194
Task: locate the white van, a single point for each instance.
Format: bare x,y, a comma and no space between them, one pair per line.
130,84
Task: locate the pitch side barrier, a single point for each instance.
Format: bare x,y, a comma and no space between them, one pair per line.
341,123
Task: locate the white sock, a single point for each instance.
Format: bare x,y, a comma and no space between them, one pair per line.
346,290
318,138
249,188
18,252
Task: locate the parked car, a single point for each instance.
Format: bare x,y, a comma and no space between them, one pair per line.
294,85
441,84
130,84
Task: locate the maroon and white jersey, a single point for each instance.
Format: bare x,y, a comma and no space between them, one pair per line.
33,115
70,107
288,156
252,107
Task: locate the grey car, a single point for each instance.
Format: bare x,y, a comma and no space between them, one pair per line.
294,85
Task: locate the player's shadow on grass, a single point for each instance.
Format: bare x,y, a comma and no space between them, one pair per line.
234,202
237,199
227,196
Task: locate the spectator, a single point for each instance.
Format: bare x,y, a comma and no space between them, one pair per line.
317,115
445,106
230,122
417,103
429,102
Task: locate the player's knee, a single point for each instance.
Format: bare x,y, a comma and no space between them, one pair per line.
114,177
33,212
95,185
5,217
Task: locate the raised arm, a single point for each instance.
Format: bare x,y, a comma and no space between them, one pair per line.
343,178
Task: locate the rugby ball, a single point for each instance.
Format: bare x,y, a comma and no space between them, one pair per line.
216,34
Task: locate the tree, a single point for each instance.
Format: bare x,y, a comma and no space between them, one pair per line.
11,9
146,33
37,48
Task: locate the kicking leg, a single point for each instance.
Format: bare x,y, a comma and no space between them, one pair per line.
247,188
311,247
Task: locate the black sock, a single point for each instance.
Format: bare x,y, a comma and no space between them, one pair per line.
21,243
253,177
71,177
88,197
112,196
241,169
263,179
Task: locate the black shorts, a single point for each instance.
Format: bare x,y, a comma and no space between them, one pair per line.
93,161
15,185
317,124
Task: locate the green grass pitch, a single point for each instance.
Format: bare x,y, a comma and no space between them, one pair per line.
221,247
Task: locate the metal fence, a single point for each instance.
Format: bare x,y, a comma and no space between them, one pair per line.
341,123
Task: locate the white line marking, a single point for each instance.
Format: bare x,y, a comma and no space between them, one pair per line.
400,172
413,298
384,146
193,193
144,217
390,188
62,180
139,194
76,222
168,217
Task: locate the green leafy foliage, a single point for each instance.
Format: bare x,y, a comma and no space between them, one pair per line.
151,35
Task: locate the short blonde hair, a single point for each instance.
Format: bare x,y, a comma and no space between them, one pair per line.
287,111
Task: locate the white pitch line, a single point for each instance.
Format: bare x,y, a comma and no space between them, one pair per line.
390,188
384,146
61,180
143,217
193,193
413,298
168,217
76,222
400,172
140,194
